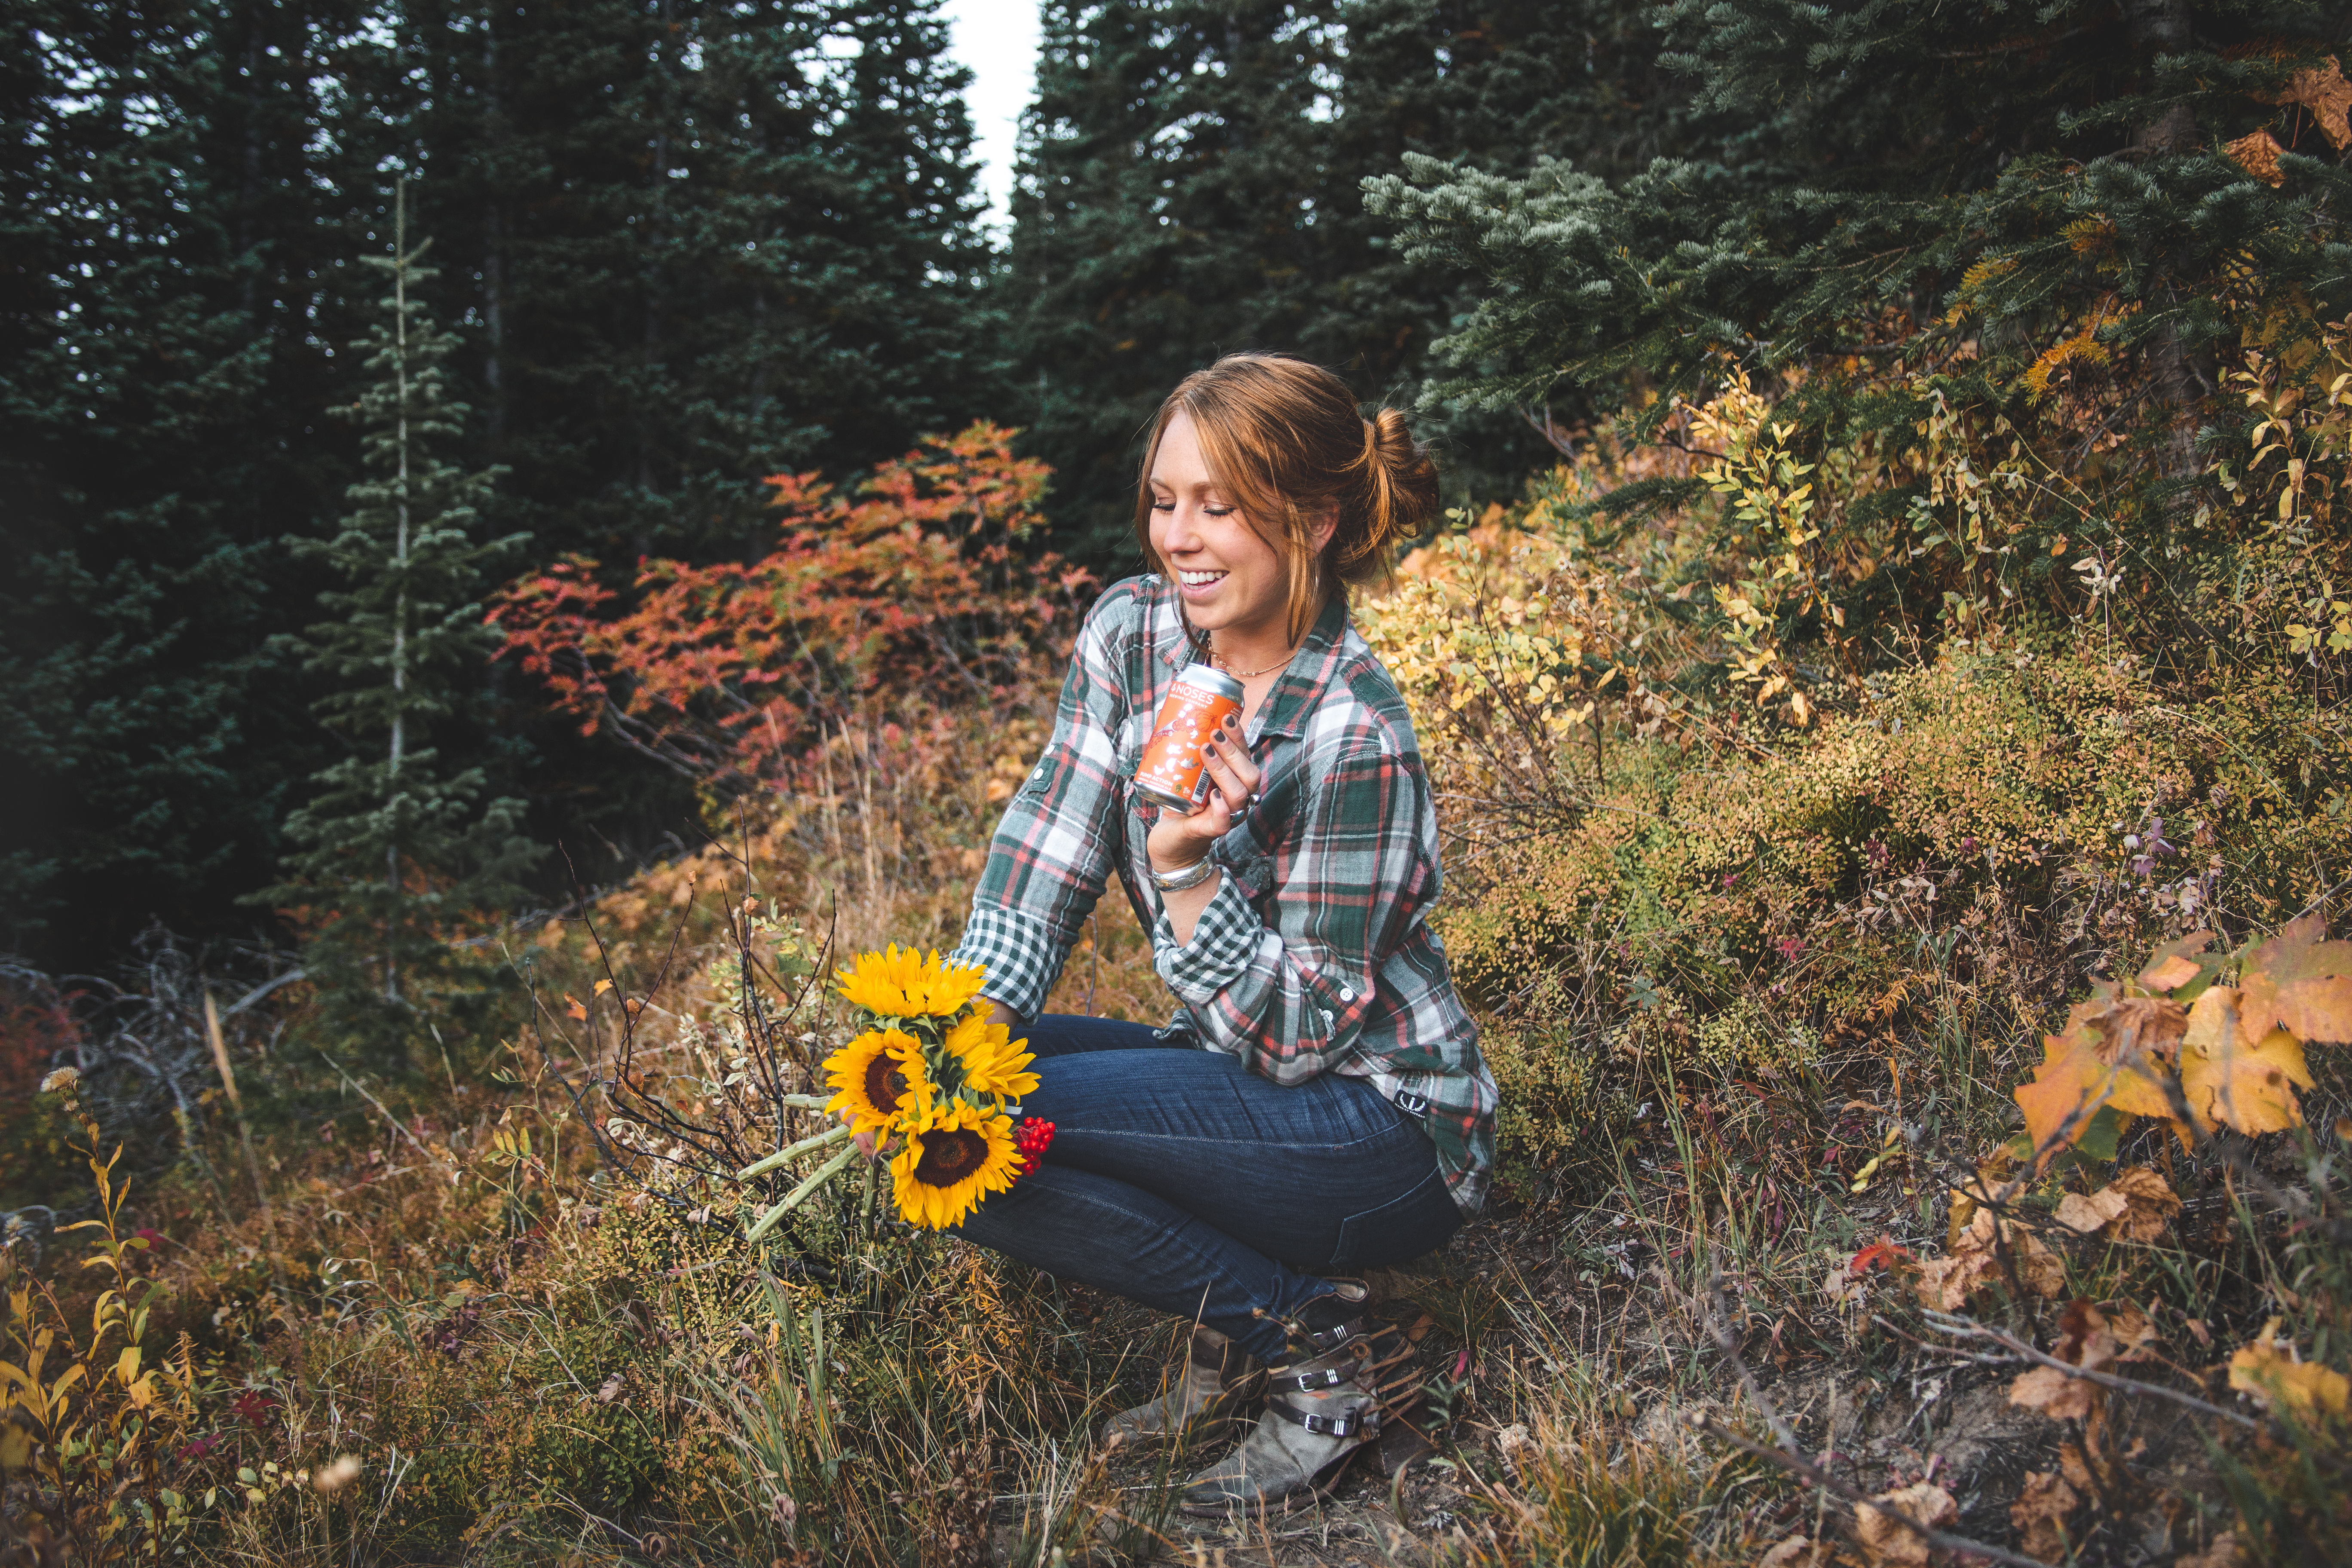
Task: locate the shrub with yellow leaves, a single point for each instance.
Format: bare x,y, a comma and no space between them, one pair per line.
96,1427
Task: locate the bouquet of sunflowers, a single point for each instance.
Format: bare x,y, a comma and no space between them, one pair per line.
935,1078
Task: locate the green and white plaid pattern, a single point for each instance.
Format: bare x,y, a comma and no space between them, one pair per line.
1315,956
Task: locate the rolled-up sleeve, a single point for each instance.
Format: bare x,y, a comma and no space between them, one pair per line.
1290,997
1052,852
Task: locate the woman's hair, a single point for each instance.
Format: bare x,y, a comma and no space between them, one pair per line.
1283,440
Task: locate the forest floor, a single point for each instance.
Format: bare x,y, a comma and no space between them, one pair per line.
530,1363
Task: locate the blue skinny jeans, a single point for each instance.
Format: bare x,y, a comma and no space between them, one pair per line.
1182,1180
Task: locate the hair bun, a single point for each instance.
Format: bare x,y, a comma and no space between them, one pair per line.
1401,488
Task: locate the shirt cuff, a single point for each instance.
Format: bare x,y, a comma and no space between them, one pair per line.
1224,941
1021,958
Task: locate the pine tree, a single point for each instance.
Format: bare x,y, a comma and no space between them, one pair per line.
696,243
678,254
1900,182
394,853
171,294
1190,185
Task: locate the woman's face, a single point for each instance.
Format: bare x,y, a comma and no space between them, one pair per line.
1231,579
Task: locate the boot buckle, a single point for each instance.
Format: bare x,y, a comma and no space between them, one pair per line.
1348,1426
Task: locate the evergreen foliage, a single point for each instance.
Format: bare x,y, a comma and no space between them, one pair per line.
165,320
1189,186
684,246
393,852
1975,186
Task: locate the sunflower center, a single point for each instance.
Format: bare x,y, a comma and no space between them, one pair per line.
951,1156
884,1082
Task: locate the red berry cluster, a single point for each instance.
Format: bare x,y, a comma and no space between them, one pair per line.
1033,1139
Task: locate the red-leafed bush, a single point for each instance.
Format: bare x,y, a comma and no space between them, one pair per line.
884,612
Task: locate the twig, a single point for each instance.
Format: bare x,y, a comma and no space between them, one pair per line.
260,991
1968,1327
1899,1332
1853,1496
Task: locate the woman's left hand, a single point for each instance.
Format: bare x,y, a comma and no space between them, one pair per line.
1176,841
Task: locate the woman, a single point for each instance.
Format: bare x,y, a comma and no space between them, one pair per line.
1318,1105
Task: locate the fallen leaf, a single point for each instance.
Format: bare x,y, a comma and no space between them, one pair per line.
2278,1381
2040,1515
573,1007
2298,981
2132,1330
1844,1287
1884,1253
2322,89
1789,1554
611,1390
1946,1283
2086,1340
2151,1203
2226,1082
2055,1394
2089,1215
2257,153
1889,1541
2135,1206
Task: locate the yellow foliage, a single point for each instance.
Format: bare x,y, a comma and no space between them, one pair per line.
2269,1370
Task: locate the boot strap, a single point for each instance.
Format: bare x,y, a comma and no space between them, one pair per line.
1308,1382
1349,1332
1355,1421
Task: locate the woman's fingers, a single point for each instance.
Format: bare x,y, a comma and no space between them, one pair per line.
1236,778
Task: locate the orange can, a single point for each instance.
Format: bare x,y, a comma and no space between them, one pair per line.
1172,771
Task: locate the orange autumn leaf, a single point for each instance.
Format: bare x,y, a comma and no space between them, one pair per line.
2112,1054
909,594
2229,1084
572,1005
2257,153
2298,981
2176,963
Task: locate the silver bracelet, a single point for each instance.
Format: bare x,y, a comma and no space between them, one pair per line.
1192,876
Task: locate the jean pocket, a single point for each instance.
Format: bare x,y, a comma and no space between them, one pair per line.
1404,1228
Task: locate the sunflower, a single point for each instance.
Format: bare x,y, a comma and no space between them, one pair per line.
993,1062
957,1156
880,1078
896,983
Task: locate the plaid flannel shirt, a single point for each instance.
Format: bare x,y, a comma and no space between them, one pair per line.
1315,956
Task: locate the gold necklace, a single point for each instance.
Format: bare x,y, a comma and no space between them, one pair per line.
1250,674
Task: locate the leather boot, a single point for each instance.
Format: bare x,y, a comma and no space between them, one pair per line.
1351,1378
1199,1401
